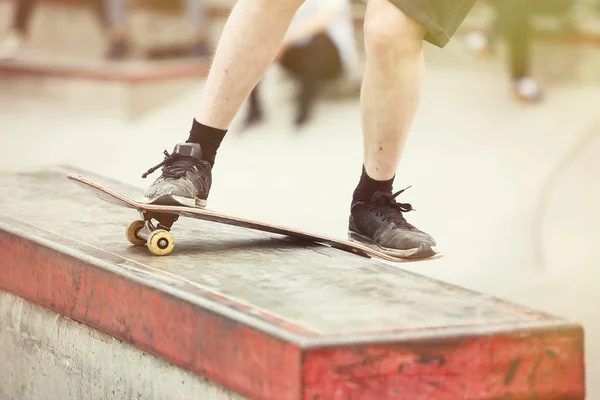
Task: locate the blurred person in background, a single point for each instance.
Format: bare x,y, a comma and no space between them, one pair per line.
15,39
513,20
394,31
113,17
319,47
116,13
12,43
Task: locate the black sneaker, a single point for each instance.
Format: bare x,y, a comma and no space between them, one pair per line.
185,178
378,223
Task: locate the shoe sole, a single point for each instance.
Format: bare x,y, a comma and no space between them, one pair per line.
170,200
423,251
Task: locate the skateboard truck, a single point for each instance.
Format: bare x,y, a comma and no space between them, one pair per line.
156,236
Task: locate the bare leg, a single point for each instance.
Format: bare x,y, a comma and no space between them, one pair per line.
389,98
249,43
116,19
196,12
254,107
515,23
11,45
22,16
391,85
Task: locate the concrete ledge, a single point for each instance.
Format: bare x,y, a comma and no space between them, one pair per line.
126,72
270,318
55,358
123,91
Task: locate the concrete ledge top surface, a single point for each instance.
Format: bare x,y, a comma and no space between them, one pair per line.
308,291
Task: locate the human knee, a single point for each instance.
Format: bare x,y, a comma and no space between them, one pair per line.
389,32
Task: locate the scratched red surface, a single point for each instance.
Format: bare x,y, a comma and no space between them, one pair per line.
236,356
537,365
534,365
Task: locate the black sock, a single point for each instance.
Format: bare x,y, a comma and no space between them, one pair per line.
208,138
367,187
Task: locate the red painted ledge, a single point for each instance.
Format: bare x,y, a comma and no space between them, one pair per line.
506,352
504,363
114,72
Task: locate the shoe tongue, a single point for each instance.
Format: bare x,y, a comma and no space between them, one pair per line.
387,200
191,150
381,198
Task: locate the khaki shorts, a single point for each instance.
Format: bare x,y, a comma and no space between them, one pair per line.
441,18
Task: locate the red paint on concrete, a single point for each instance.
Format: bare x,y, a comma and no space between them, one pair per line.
100,73
229,353
540,365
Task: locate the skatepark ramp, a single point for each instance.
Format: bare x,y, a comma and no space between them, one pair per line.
234,314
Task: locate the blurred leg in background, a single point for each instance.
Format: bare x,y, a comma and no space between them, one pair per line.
483,42
119,46
512,20
116,12
196,13
310,65
515,24
14,40
323,50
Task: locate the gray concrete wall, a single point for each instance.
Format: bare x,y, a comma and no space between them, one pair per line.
46,356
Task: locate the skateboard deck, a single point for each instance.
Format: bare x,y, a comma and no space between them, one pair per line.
153,229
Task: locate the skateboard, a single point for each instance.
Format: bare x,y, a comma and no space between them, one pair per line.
153,230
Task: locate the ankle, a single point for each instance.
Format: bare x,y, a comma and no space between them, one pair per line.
208,138
368,186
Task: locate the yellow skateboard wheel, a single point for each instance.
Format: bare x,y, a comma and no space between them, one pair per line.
160,242
132,231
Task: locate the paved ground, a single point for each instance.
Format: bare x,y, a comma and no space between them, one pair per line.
510,192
